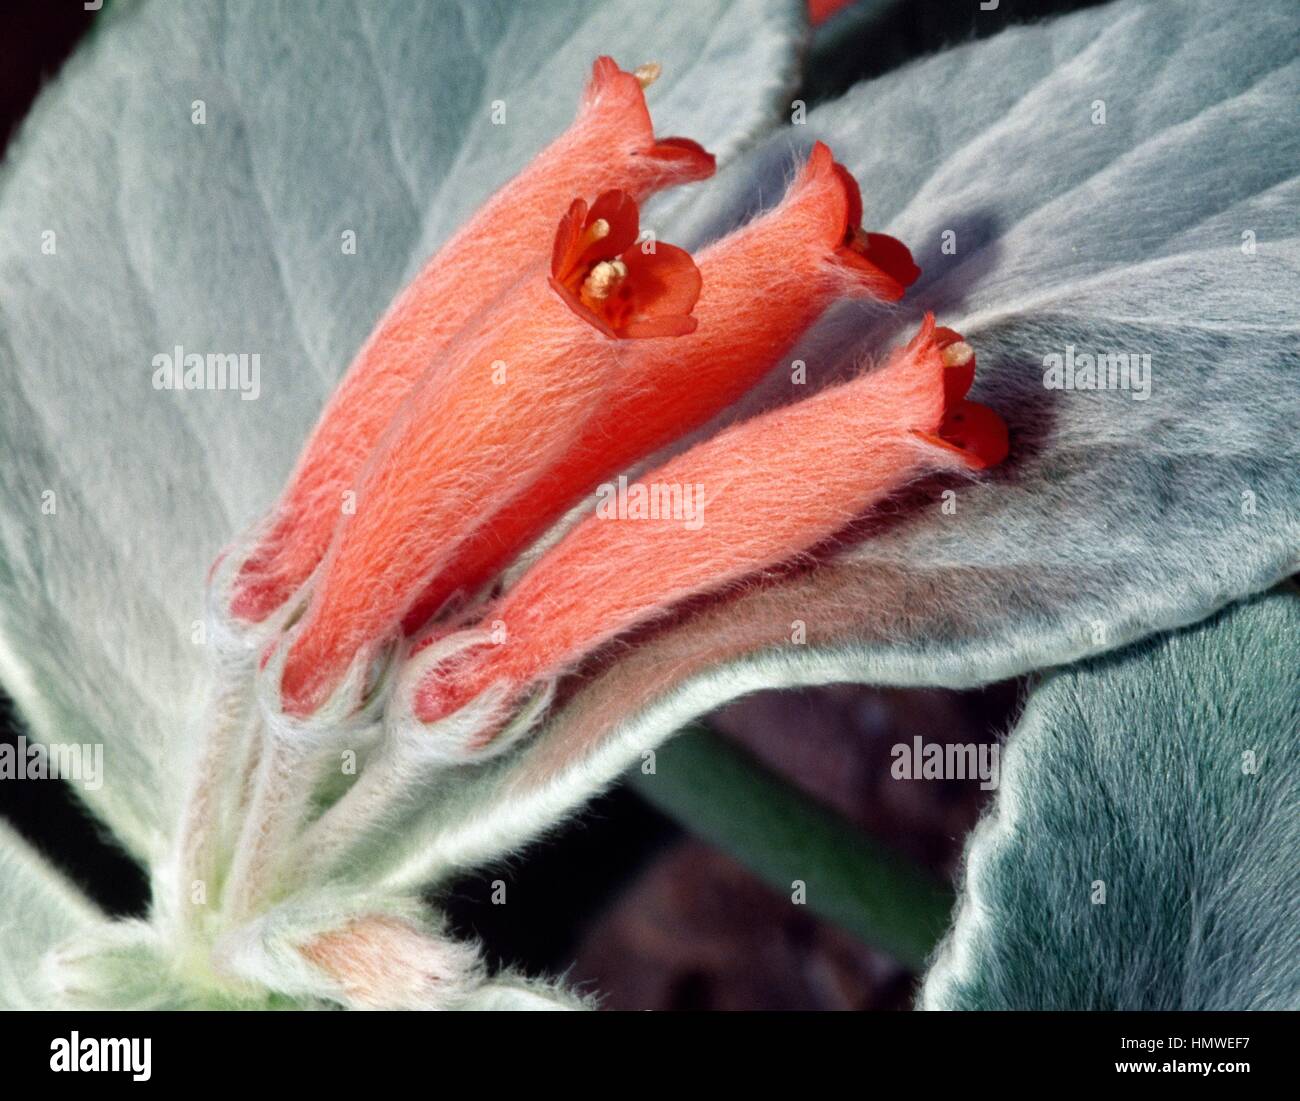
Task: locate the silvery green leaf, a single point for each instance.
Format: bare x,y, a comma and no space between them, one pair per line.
1123,180
189,180
38,910
1141,853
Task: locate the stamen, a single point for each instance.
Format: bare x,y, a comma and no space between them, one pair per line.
597,231
604,277
648,73
958,355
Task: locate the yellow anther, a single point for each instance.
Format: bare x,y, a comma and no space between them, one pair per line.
603,278
648,73
958,355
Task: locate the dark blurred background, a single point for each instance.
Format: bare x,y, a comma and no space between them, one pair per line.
623,900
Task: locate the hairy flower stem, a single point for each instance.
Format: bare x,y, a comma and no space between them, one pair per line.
409,756
385,783
293,757
278,804
226,726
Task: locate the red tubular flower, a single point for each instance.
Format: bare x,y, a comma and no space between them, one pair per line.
515,389
611,144
774,486
762,287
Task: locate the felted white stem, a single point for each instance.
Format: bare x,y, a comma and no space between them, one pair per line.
225,726
279,798
411,755
292,755
226,718
385,783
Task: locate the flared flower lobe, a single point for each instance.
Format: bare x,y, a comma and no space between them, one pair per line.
968,429
626,289
877,255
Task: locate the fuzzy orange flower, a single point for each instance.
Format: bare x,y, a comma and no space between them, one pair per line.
772,487
611,144
505,405
501,389
762,287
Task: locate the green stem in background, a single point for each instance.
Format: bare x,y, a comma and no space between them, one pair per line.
723,795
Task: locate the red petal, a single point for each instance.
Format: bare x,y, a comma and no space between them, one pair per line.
973,431
619,209
663,284
571,254
877,252
690,160
672,325
604,71
568,237
575,304
891,256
